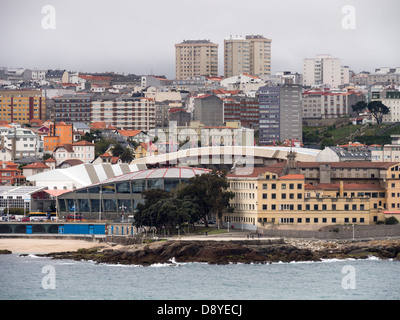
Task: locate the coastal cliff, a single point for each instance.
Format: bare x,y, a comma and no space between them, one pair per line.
224,252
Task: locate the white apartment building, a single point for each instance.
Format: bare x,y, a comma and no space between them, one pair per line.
325,71
22,142
83,151
327,103
324,104
124,112
390,99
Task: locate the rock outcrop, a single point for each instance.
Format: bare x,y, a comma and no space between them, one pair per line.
224,252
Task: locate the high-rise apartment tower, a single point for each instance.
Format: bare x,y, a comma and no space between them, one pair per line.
250,54
196,58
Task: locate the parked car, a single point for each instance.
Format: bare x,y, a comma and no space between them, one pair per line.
25,219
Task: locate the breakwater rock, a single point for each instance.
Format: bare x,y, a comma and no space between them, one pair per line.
224,252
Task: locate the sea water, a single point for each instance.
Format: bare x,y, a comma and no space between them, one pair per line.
38,278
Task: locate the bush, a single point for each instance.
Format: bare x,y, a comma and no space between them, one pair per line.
391,220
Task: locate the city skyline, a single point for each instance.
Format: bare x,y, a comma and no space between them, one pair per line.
139,37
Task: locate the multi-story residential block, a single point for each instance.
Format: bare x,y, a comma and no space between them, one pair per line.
326,103
22,105
236,56
60,134
325,71
196,58
384,76
243,109
34,168
59,76
124,112
209,110
82,150
250,54
355,193
280,113
72,108
10,174
390,99
22,142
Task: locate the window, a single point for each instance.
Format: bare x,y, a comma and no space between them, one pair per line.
315,220
273,186
123,187
283,186
283,195
333,220
138,186
265,207
265,195
316,207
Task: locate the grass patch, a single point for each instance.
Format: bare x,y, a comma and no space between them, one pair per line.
210,231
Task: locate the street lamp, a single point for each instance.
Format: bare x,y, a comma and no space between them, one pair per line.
100,206
122,212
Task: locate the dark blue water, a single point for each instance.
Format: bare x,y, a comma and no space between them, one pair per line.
34,278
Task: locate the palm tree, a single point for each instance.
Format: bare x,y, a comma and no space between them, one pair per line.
127,155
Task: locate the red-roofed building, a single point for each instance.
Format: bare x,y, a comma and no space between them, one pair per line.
10,174
124,112
82,150
34,168
322,194
326,103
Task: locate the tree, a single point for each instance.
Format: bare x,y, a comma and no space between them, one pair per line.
359,106
391,220
102,145
378,110
327,142
127,156
208,192
161,209
117,150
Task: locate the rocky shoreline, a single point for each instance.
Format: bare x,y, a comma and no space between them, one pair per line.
225,252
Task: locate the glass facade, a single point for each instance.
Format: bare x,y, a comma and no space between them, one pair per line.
122,196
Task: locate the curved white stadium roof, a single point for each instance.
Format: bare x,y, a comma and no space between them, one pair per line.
229,154
158,173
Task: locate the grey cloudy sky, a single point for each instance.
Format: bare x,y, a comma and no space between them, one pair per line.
138,37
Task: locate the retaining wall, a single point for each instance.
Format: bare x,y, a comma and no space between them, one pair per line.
335,232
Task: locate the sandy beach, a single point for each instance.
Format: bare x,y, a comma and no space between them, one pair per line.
42,246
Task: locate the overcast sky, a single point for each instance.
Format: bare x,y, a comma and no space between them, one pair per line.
138,37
